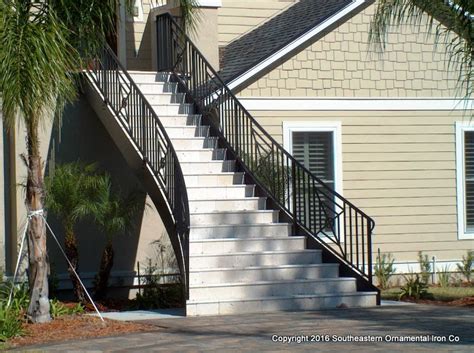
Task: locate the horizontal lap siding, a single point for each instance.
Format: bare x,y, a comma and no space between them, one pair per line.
399,168
238,17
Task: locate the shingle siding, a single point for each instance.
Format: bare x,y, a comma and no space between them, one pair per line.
342,65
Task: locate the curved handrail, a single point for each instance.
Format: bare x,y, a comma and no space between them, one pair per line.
337,224
140,121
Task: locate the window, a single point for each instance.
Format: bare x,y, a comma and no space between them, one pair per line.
315,149
465,179
317,146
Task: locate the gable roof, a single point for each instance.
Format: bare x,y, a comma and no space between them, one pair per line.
284,34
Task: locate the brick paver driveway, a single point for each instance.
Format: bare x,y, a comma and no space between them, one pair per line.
444,329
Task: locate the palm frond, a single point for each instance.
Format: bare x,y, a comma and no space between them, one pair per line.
450,22
36,61
190,14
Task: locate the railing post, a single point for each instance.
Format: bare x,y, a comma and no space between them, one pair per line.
369,250
144,131
236,130
293,195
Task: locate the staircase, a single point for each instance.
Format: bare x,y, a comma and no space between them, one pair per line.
242,259
252,229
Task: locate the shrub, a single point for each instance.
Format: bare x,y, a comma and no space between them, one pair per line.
10,322
59,309
384,269
12,317
444,276
414,288
466,266
425,267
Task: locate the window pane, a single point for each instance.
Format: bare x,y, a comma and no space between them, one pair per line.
315,150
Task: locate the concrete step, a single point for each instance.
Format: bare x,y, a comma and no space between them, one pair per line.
217,179
194,143
241,204
244,231
187,131
220,192
165,98
149,76
201,155
230,245
280,303
180,120
234,217
157,87
210,167
263,273
173,109
248,259
245,290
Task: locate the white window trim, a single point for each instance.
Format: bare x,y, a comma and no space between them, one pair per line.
331,126
461,127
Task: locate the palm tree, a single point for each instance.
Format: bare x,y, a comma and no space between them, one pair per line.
36,62
41,43
115,215
73,192
451,21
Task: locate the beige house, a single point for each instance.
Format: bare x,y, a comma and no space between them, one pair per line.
386,132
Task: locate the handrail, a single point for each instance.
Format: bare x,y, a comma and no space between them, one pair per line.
140,121
316,209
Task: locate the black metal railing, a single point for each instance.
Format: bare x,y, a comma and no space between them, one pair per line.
338,226
143,127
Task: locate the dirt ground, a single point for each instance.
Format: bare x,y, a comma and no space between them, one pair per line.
75,327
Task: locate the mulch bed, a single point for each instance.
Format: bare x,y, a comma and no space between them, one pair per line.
463,302
75,327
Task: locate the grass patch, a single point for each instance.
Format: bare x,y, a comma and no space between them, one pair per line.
442,294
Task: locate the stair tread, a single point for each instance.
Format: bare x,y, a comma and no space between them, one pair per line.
222,186
282,281
279,297
232,199
267,267
242,225
245,240
269,252
234,211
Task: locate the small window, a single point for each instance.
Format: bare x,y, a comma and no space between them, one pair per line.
465,179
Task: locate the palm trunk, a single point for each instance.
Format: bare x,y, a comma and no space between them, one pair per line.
38,309
106,264
70,247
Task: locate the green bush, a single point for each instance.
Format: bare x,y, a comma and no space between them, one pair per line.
59,309
466,266
384,269
425,267
10,322
12,317
414,288
444,277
